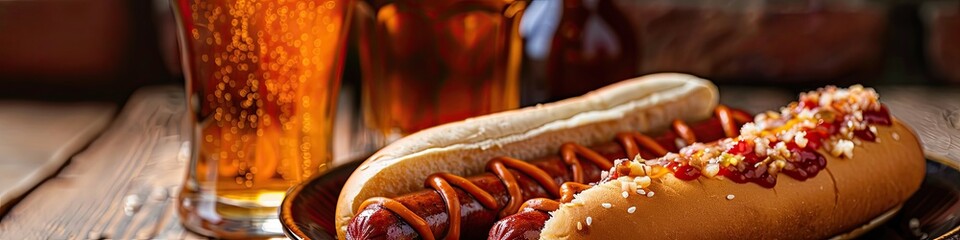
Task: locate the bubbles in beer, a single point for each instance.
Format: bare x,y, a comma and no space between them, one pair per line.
263,71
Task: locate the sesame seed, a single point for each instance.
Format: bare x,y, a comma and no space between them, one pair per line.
606,205
650,194
631,209
641,192
579,226
589,220
624,194
730,196
896,136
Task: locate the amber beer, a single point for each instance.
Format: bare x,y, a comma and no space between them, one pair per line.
262,79
428,62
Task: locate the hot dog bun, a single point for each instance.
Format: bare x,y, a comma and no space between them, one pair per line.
879,177
645,103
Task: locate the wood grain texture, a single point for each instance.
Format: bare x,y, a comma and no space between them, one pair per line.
123,185
934,113
39,137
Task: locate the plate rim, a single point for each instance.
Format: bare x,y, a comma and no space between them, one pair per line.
290,228
284,212
294,232
944,160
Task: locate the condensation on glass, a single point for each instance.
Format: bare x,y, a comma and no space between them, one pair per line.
262,78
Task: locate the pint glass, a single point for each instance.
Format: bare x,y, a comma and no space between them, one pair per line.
262,79
428,62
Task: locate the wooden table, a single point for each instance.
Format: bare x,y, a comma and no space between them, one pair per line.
124,184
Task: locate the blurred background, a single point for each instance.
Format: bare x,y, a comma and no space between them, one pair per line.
104,49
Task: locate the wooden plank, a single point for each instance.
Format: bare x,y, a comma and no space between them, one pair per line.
39,137
933,112
124,184
122,187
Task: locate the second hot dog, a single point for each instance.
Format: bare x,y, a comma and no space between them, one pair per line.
823,166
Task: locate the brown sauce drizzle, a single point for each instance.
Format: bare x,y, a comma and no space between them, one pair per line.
684,131
444,183
404,213
740,117
569,152
567,192
726,121
631,140
501,167
541,204
568,189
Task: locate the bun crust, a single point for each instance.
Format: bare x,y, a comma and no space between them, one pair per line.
645,103
850,192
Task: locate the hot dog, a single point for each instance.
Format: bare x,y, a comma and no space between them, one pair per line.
376,221
647,104
872,164
384,190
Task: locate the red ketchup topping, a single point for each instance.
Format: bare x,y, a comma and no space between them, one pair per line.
807,162
791,146
880,117
752,172
802,163
683,171
865,135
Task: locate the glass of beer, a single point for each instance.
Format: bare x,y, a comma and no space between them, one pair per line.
262,81
428,62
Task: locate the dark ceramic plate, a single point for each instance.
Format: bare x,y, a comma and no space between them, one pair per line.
932,213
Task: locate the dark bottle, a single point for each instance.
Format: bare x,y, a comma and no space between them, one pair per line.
594,46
